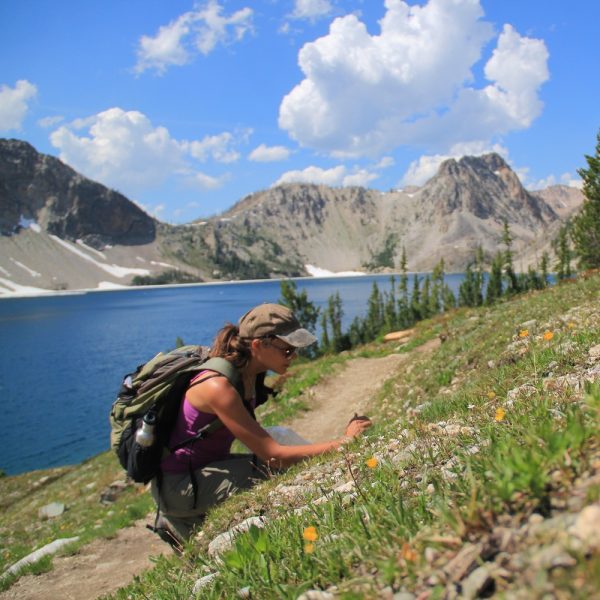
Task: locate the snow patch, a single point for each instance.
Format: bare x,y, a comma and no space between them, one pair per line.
109,285
25,268
318,272
114,270
12,288
29,224
162,264
90,249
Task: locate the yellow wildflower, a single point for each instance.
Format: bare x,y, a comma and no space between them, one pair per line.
407,553
309,548
524,333
548,335
500,414
491,395
310,534
372,462
571,325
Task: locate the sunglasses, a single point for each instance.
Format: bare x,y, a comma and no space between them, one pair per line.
287,351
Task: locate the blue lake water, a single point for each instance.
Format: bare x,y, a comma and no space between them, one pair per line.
63,356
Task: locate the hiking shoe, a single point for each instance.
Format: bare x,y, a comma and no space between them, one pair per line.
166,534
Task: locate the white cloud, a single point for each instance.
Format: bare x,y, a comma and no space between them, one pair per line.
265,153
196,31
14,104
565,179
412,83
336,176
218,147
311,9
125,150
48,122
385,162
423,169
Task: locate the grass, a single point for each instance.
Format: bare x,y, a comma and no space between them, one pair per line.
475,435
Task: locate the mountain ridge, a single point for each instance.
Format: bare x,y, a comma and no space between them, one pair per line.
61,230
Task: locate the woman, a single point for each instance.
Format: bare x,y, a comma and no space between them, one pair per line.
198,476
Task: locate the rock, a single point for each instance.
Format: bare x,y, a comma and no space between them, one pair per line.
202,583
552,557
244,592
404,596
113,491
52,510
224,541
48,549
587,526
478,582
316,595
594,352
463,562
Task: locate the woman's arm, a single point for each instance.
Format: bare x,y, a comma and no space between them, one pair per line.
218,396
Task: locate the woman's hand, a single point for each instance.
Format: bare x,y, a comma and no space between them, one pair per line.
357,426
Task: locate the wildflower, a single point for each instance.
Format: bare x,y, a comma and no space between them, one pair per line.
407,553
310,534
500,414
372,462
309,548
524,333
491,395
548,335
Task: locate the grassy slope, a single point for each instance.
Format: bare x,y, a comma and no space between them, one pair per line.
460,458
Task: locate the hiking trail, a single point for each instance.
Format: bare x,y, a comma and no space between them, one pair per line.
105,565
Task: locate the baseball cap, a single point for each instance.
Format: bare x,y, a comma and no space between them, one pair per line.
277,320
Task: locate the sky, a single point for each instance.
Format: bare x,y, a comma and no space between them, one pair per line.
187,107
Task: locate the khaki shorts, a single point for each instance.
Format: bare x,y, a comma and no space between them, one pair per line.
215,482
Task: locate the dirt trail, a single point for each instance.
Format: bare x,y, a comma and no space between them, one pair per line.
104,566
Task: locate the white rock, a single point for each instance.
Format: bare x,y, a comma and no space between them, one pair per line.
594,352
202,583
52,510
587,526
224,541
48,549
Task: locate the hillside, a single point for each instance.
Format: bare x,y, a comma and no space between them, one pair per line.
61,231
480,477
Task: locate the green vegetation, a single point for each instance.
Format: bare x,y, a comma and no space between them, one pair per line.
585,230
472,439
166,277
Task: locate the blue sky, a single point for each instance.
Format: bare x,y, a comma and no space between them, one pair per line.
186,107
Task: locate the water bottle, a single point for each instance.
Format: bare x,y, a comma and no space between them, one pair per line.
144,436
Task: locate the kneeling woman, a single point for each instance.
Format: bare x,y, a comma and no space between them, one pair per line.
198,476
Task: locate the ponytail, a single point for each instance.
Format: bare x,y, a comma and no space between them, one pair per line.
229,345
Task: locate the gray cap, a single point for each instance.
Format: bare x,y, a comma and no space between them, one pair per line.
274,319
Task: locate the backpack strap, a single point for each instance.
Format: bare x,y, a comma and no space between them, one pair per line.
222,367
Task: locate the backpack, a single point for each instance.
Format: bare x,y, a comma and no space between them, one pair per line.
154,392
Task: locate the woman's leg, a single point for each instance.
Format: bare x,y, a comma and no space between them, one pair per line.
215,482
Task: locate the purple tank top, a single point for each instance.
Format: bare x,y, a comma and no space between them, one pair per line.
216,446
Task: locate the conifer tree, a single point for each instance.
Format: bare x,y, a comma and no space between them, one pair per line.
374,323
544,265
586,225
304,310
390,318
415,300
325,342
494,287
405,318
425,295
564,254
512,283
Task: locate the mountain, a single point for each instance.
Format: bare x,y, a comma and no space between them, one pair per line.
61,230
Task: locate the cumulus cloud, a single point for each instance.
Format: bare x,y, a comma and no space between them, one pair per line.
265,153
125,150
196,31
336,176
424,168
413,83
14,104
311,9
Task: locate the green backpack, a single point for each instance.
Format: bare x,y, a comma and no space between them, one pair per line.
149,399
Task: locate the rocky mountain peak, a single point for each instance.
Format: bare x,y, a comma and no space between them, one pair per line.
41,188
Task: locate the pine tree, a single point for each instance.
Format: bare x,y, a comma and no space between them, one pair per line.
494,286
512,282
325,342
405,317
586,225
390,317
544,265
563,251
304,310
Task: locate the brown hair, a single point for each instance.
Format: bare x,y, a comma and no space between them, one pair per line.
229,345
